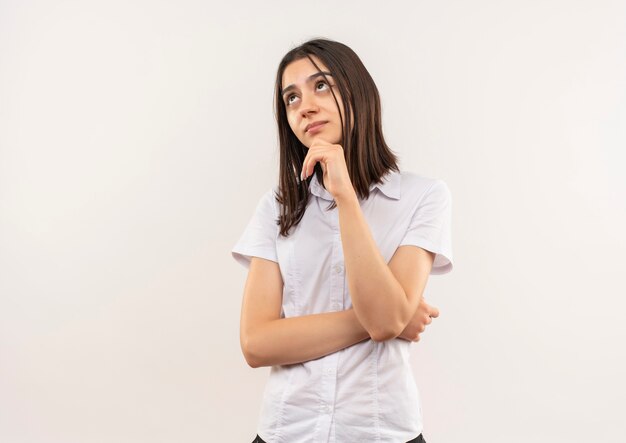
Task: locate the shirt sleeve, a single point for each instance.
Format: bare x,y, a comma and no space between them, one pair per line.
259,237
430,227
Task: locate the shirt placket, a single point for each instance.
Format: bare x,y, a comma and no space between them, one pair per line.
329,368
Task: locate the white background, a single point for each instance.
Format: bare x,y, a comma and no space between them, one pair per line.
136,138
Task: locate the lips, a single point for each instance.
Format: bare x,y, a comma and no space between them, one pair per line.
313,125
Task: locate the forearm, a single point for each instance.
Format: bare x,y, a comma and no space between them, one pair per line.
379,300
298,339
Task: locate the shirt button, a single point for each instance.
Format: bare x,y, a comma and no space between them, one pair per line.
328,409
338,269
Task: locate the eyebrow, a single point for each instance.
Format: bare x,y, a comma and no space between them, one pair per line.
311,77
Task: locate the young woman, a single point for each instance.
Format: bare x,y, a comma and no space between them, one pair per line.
338,255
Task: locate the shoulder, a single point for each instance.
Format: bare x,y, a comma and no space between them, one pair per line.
268,198
266,206
416,187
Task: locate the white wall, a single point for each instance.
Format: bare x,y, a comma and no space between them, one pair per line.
136,138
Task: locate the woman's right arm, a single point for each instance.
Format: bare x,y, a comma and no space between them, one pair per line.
267,340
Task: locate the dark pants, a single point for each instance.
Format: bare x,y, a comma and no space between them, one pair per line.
418,439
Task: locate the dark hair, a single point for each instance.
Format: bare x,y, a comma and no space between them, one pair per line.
368,157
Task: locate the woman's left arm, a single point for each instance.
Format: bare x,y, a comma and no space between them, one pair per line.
384,297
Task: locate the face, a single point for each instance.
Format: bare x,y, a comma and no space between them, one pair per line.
309,101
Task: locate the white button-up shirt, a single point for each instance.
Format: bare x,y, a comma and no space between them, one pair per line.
365,392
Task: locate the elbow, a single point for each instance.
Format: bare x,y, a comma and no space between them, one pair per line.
392,328
383,328
384,334
249,353
252,362
381,336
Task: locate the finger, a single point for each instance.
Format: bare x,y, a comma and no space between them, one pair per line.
312,157
309,163
308,159
425,305
434,312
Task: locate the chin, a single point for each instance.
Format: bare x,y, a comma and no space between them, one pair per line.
332,141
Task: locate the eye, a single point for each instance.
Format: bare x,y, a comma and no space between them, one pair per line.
288,99
321,82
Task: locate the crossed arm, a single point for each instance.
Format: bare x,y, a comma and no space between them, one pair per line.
384,297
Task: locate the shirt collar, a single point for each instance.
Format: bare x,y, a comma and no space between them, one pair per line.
390,186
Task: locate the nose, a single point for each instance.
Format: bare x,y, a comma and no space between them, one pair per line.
308,104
